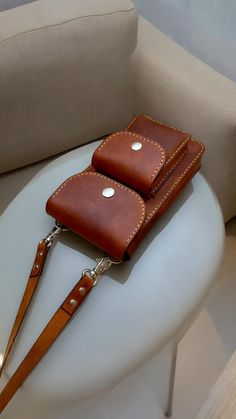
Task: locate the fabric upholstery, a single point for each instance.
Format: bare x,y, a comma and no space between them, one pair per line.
64,75
177,88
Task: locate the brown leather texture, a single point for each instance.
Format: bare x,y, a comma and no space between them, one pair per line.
118,224
137,169
172,139
106,222
47,337
32,283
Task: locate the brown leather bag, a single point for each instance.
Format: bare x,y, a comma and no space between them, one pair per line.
134,176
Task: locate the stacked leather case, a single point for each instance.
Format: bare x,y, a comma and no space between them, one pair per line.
143,168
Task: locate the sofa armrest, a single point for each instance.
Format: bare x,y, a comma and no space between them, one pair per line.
65,75
177,88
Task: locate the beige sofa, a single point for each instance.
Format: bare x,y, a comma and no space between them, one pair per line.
72,71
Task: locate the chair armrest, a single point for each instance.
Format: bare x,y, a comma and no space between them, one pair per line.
65,75
177,88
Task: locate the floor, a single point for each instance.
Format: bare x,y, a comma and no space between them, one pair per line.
208,345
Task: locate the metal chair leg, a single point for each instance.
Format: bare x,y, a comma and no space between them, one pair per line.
169,409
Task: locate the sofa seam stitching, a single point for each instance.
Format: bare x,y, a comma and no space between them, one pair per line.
41,28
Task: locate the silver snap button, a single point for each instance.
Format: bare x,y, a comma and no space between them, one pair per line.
136,146
108,192
82,290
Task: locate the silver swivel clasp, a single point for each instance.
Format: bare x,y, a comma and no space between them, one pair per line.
54,233
103,264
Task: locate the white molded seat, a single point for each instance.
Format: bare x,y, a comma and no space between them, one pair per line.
134,311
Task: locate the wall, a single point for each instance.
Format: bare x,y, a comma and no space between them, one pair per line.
9,4
205,27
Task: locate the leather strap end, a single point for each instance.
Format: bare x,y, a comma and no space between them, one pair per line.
40,258
48,336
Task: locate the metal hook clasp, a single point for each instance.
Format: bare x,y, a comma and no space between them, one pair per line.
103,264
54,232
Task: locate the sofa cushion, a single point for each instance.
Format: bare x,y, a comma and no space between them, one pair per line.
64,75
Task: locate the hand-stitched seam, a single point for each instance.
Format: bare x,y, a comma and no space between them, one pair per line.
174,185
131,192
155,120
178,149
140,137
168,126
169,171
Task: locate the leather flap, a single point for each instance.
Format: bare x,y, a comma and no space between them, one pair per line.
108,222
172,139
131,159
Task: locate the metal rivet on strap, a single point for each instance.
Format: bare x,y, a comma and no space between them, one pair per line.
73,302
136,146
82,290
108,192
36,266
40,254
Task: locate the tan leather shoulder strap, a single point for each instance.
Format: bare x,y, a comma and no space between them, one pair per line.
57,323
36,272
47,337
31,286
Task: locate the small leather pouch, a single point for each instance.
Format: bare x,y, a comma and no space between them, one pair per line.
130,158
108,222
132,180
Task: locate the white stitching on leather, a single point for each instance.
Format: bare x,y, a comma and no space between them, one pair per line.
169,171
135,194
168,126
140,137
177,150
158,122
175,184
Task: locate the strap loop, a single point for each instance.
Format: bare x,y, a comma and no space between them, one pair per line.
103,264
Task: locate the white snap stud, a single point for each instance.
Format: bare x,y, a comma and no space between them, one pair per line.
108,192
136,146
